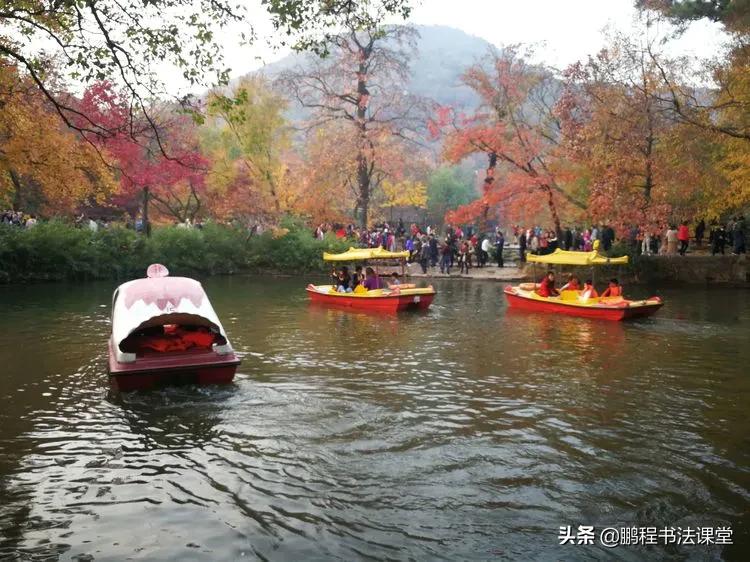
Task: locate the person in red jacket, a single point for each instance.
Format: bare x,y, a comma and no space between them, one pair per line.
683,235
547,287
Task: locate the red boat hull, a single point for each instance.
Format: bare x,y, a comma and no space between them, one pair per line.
612,313
389,303
157,370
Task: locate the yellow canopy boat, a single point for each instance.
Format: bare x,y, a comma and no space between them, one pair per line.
393,299
524,296
363,254
564,257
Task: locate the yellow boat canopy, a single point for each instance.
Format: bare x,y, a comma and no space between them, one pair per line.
563,257
362,254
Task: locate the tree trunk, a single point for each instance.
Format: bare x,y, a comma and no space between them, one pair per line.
363,180
363,172
553,210
146,223
17,195
489,178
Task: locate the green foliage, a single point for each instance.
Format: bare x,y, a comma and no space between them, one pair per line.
448,188
57,251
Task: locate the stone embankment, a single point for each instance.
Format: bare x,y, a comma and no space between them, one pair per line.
692,269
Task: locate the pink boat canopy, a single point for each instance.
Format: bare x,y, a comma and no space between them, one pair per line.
158,300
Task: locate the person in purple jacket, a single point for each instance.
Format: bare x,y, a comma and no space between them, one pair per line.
372,281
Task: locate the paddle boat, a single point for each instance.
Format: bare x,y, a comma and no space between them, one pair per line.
571,303
394,299
165,331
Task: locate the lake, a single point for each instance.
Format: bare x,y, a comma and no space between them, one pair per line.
469,432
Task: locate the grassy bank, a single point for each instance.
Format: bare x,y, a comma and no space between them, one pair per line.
58,251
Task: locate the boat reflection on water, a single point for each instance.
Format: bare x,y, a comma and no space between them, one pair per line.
590,341
174,417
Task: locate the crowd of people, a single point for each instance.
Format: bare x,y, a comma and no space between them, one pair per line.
456,248
17,218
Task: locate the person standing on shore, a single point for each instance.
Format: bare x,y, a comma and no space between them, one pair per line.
485,251
700,230
683,235
499,243
646,243
738,238
447,257
424,256
718,239
671,237
522,247
433,245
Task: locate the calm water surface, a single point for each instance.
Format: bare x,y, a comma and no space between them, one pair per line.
468,432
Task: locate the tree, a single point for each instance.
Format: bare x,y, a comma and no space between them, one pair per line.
515,127
643,166
250,137
377,114
447,189
123,41
145,172
38,154
734,14
721,109
406,193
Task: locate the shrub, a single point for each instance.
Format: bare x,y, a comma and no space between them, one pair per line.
56,250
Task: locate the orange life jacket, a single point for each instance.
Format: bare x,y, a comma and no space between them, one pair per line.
613,292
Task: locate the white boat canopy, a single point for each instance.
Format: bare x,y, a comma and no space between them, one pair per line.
160,300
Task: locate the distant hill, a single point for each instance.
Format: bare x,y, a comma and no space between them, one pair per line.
443,54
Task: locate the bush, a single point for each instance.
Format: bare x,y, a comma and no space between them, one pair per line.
56,250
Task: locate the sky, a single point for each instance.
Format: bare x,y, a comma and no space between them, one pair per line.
564,31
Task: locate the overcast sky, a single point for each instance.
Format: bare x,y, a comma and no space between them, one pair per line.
563,30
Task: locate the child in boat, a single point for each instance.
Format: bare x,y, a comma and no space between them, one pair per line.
372,281
573,284
588,291
394,282
547,286
613,290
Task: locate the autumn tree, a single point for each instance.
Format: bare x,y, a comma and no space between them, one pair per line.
39,155
517,130
145,172
722,108
409,194
132,42
644,167
360,91
248,138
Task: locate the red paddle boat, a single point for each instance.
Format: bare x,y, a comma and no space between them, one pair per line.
389,299
573,303
165,331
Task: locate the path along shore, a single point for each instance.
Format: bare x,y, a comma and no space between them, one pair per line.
694,268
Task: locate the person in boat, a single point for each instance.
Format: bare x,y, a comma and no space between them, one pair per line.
357,277
547,286
372,281
613,290
342,280
588,291
573,284
394,282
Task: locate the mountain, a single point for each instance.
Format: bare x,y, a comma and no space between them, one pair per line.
443,54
